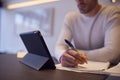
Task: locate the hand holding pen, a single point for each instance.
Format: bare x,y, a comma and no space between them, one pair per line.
72,57
80,56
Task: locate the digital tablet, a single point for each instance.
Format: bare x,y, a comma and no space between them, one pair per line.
37,51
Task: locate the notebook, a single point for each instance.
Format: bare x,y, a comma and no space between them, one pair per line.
91,66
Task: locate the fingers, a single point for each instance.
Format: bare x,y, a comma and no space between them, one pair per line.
67,64
72,58
80,56
68,60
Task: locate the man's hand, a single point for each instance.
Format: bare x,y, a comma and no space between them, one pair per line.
72,58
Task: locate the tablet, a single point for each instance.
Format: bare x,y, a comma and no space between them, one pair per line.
37,50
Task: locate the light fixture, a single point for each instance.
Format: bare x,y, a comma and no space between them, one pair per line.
28,3
113,1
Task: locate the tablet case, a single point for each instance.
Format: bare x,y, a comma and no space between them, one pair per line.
38,56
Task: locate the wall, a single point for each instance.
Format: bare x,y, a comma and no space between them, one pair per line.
10,42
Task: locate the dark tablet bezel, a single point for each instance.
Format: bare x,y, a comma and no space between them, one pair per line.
35,44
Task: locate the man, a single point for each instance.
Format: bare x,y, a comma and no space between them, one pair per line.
95,31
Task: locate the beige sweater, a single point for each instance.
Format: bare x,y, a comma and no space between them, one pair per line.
98,36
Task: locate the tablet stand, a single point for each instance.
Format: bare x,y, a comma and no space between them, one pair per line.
36,61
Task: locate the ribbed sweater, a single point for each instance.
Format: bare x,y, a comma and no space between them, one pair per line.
97,36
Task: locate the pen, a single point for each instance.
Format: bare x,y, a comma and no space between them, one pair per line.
72,47
70,44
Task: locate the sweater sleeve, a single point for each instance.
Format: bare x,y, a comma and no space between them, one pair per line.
111,50
61,46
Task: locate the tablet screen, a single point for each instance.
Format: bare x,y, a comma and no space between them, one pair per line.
35,44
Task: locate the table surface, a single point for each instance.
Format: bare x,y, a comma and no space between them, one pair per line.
12,69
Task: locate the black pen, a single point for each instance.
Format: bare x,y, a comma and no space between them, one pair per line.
70,44
72,47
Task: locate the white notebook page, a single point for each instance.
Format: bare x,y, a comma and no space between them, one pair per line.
90,66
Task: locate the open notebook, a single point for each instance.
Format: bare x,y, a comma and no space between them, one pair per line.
91,66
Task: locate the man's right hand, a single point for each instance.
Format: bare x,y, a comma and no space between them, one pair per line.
72,58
